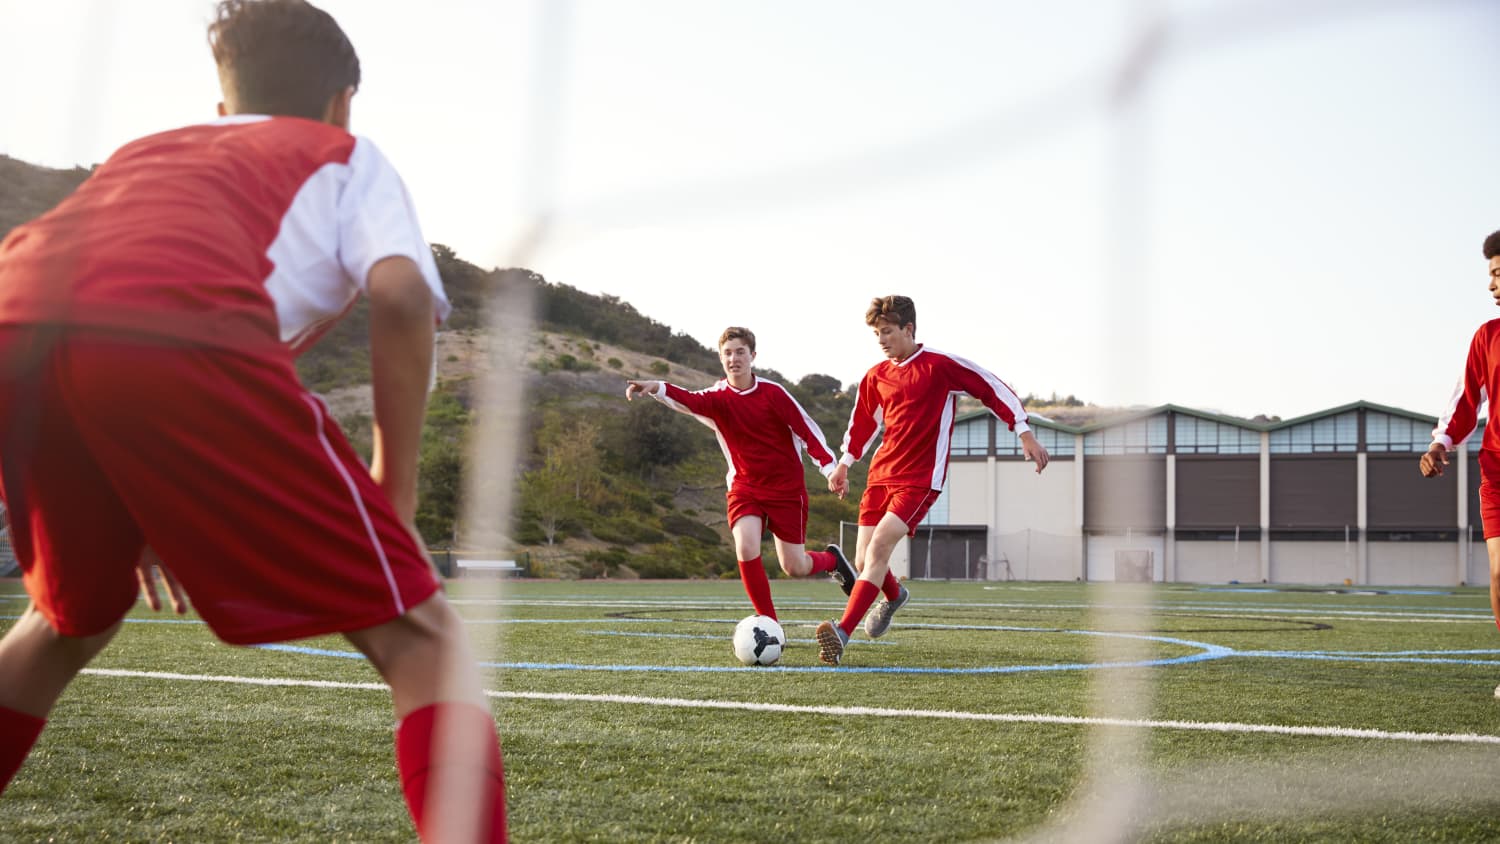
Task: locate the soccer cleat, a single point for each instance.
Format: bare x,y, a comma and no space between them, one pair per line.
831,642
879,621
842,571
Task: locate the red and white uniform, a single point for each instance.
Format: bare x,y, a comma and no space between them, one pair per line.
1481,377
762,432
247,233
147,393
916,402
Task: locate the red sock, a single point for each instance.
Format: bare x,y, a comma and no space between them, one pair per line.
415,763
861,598
822,561
758,587
890,587
18,732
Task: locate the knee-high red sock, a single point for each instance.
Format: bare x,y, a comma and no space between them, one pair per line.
861,598
416,760
890,587
758,587
18,732
822,561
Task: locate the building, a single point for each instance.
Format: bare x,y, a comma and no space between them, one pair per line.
1176,494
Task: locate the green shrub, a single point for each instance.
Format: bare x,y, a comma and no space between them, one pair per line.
616,363
659,368
681,525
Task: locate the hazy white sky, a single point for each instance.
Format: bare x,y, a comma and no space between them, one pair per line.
1285,214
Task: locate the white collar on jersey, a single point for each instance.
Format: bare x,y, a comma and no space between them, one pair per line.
921,347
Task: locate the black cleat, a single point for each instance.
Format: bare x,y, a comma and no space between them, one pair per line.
842,571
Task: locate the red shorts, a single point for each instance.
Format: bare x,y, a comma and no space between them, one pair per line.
222,463
786,518
1489,492
909,504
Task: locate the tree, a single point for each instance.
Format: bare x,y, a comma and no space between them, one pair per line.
819,385
569,480
652,437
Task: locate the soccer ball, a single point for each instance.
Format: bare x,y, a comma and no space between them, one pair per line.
758,640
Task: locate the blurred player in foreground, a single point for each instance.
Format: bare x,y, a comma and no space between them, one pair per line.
148,327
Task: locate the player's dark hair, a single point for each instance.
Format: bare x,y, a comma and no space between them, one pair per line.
1492,245
899,311
735,332
284,57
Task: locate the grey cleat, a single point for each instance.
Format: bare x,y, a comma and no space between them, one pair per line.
842,571
831,642
879,621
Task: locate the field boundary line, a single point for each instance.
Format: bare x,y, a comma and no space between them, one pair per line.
940,714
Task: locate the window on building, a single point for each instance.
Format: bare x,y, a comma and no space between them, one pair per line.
1384,432
1330,434
971,437
1141,436
1058,443
1205,436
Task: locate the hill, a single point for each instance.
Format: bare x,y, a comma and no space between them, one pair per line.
606,488
27,190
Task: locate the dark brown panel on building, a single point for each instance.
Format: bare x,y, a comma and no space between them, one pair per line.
1399,498
1125,491
1314,492
1217,492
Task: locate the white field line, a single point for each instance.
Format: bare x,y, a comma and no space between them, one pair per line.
941,714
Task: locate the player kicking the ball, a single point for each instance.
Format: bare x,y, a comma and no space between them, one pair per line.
148,326
763,432
913,394
1480,382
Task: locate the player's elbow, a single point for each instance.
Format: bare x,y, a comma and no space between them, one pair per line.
396,288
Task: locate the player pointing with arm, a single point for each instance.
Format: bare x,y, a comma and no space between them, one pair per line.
1478,384
913,396
763,432
148,326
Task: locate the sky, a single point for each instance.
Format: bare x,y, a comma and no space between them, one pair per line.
1245,206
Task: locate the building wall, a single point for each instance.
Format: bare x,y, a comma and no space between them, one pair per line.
1102,550
1024,499
1218,561
1312,562
1413,564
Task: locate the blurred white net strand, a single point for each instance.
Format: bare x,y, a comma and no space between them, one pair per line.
1120,797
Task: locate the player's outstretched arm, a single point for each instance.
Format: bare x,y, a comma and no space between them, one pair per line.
641,388
1433,461
1034,451
402,325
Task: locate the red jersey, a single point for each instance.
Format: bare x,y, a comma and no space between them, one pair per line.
251,232
762,432
1481,374
916,401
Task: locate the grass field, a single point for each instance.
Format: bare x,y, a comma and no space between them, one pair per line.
1271,716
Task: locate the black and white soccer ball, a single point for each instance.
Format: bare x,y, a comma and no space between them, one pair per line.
758,640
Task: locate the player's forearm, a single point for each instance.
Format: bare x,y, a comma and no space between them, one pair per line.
401,338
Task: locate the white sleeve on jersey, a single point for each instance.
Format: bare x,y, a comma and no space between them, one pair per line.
320,268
